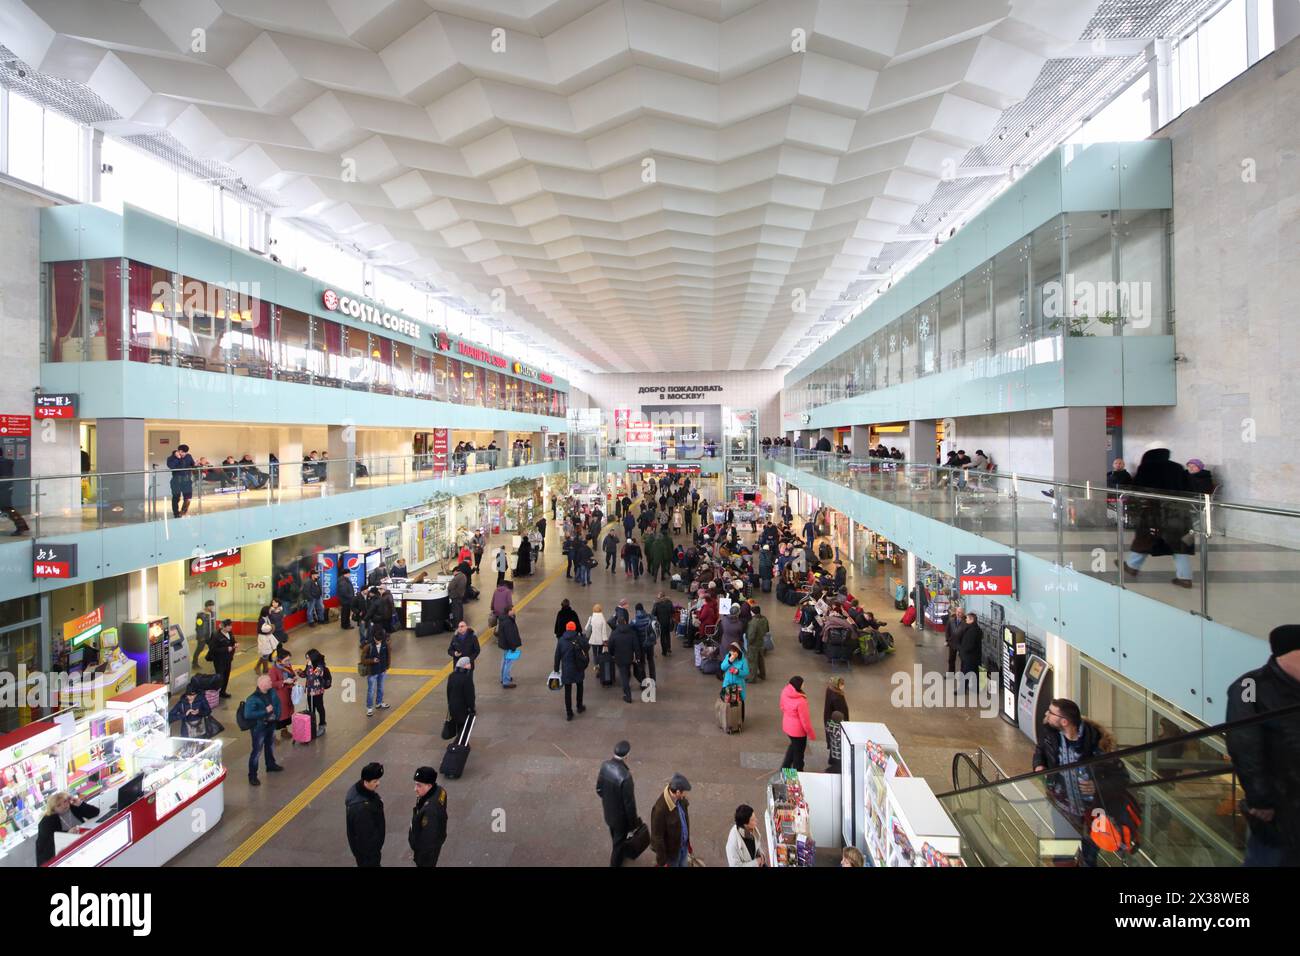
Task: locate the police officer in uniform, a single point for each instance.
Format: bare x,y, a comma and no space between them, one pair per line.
428,819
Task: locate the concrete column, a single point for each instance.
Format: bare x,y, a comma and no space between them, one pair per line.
1079,450
1286,22
859,439
502,438
921,436
121,448
290,455
341,472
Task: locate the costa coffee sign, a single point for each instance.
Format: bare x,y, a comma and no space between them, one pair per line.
365,312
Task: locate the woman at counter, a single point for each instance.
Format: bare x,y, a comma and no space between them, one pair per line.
63,814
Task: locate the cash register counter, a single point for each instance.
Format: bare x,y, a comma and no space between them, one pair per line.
422,601
178,795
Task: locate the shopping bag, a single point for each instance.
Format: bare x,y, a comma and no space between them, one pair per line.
513,655
553,680
296,695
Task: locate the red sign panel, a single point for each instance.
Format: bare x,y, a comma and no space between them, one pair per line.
15,425
211,562
986,574
640,433
441,441
49,405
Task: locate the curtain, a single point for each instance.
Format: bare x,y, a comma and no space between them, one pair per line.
65,306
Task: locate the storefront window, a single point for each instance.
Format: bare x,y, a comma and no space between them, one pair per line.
403,372
440,377
249,344
469,394
151,299
422,374
329,361
381,364
453,381
495,391
201,326
292,345
358,367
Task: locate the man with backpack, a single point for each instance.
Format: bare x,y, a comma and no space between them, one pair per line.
258,715
645,632
205,625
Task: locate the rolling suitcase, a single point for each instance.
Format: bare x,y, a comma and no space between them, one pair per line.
301,725
728,713
606,670
767,585
453,761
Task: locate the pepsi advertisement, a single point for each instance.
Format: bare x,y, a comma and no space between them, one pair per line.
359,564
327,562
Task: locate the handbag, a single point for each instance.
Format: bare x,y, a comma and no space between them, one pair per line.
637,841
448,728
492,619
212,727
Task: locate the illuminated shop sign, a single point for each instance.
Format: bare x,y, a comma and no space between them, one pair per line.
445,343
365,312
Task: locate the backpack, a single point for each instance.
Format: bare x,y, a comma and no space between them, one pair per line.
326,679
580,656
1117,833
824,552
242,719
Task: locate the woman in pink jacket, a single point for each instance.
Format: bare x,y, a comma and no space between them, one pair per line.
796,722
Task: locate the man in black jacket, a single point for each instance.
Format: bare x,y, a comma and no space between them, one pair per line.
1067,738
663,613
1266,755
618,798
346,596
429,818
365,817
970,648
625,644
952,628
221,651
464,643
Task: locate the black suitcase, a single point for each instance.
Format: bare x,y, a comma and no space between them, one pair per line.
606,666
453,761
767,585
808,639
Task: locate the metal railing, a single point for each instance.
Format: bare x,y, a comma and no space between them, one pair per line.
1233,562
62,504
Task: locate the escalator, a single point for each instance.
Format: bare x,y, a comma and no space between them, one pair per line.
1180,794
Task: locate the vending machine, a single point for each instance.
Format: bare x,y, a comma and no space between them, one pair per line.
147,642
327,563
359,564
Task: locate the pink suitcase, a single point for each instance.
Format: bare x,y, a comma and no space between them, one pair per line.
301,728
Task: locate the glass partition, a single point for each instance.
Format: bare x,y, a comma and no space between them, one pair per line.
976,310
294,361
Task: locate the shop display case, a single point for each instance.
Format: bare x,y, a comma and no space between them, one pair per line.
893,817
92,757
176,769
29,772
789,831
143,715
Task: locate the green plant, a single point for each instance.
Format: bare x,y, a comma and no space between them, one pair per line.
1078,327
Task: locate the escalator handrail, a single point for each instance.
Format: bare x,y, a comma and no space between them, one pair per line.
1216,730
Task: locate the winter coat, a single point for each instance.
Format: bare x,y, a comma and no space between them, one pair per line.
795,721
732,631
467,646
834,701
376,655
366,827
1266,755
282,681
970,647
428,826
456,587
610,545
597,631
756,634
507,631
562,617
182,474
625,644
460,695
741,668
663,613
568,660
1161,525
952,628
346,593
1109,776
503,599
666,829
617,796
737,852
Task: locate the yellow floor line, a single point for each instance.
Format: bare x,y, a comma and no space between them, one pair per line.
241,854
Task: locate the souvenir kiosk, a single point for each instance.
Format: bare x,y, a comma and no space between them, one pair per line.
893,817
149,787
802,819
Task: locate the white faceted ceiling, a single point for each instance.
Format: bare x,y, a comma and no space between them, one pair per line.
673,185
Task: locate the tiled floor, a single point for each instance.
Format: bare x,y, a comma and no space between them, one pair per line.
528,797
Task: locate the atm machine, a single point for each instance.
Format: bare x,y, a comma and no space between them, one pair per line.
1033,695
179,655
